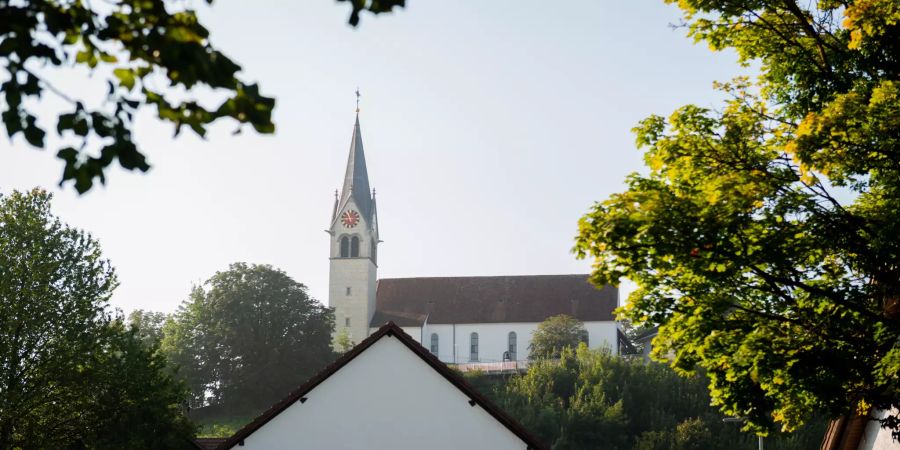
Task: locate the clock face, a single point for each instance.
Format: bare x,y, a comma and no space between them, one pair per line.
350,218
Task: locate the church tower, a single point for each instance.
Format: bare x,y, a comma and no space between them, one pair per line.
354,247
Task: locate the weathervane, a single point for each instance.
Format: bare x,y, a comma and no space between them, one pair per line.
357,100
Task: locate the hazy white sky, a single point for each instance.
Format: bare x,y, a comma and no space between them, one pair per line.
489,129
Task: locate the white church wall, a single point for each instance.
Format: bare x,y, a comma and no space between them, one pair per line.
414,332
493,338
603,334
357,274
386,397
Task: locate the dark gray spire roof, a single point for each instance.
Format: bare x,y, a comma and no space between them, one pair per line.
356,180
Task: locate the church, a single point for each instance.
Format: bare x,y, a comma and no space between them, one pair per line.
460,320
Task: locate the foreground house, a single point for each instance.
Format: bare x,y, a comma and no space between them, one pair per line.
387,392
459,319
859,433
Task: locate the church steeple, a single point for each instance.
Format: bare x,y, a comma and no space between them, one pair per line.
354,247
356,178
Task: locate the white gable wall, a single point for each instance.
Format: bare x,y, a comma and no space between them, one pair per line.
386,397
877,438
492,339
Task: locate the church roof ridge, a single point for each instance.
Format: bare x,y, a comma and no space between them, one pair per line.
585,275
492,299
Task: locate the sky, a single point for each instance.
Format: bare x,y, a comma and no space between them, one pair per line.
489,129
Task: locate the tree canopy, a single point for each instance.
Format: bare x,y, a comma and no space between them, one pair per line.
149,53
763,238
148,325
555,334
71,375
144,50
593,399
247,337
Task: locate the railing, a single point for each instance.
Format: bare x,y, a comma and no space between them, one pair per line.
492,366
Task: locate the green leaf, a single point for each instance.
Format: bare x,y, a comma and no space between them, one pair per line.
65,122
35,136
125,76
80,126
83,56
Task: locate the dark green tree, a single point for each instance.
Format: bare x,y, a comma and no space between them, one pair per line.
593,399
247,337
69,374
763,238
139,403
555,334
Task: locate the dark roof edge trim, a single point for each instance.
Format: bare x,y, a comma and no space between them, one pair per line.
389,329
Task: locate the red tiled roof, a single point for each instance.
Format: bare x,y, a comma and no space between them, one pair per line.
390,329
502,299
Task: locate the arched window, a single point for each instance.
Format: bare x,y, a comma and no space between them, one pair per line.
373,253
473,347
434,344
511,345
354,247
345,247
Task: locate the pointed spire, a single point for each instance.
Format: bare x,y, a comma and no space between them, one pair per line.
374,222
334,211
356,179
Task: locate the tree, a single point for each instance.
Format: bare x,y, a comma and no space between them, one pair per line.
343,341
555,334
247,337
635,337
69,373
139,405
763,238
373,6
142,50
148,325
593,399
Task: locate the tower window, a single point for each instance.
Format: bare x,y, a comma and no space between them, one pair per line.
345,247
354,247
346,321
434,344
348,291
473,347
511,345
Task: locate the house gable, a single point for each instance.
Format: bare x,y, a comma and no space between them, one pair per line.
387,392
